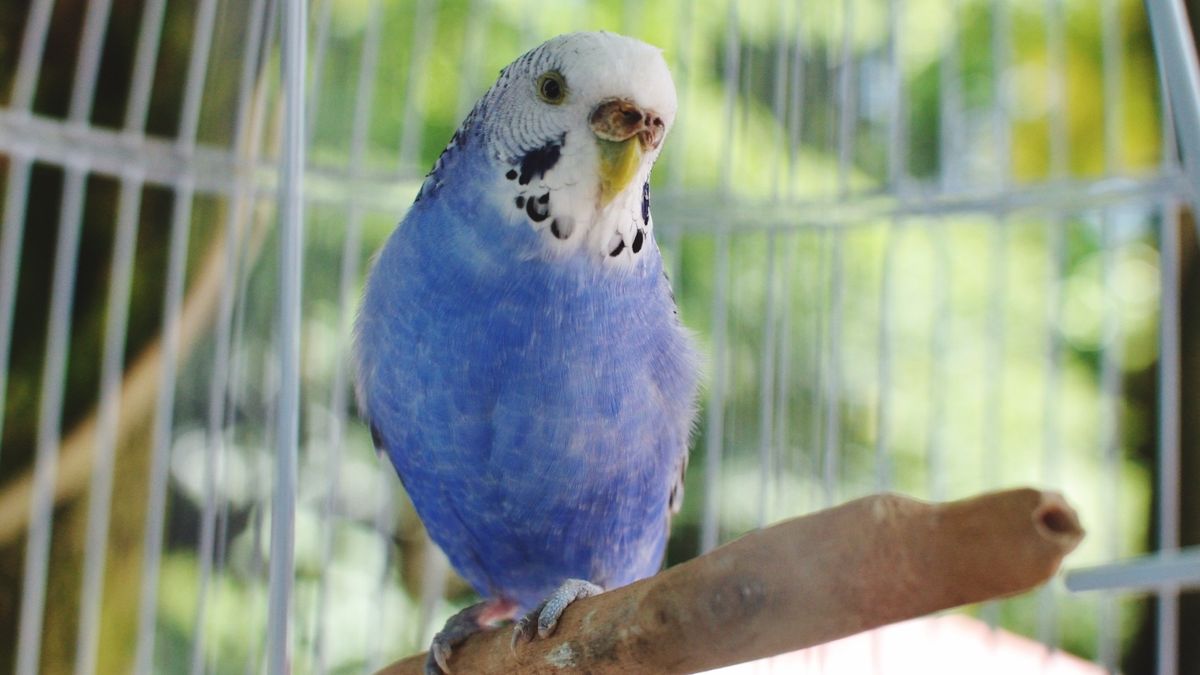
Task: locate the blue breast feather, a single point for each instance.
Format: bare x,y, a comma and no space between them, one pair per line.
537,410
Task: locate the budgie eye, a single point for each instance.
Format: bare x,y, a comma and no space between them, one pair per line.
551,87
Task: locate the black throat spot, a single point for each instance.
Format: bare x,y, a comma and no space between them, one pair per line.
536,162
646,202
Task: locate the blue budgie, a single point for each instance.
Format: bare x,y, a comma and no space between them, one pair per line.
520,359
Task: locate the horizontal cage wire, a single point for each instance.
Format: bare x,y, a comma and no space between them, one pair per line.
927,247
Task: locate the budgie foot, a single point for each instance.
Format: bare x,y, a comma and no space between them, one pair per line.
543,619
462,626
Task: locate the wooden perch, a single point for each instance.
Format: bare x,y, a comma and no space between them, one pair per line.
800,583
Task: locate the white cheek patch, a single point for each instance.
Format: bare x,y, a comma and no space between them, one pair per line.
560,203
553,187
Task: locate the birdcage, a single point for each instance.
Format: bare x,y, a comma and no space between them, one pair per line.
931,247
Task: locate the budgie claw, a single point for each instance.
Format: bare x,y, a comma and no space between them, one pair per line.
545,616
460,627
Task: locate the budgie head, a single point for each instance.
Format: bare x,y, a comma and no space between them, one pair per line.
570,131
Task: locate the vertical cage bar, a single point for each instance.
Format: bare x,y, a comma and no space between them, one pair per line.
1114,89
1169,462
435,570
320,43
257,656
795,119
214,446
847,105
252,212
766,402
88,63
779,100
1056,47
291,259
1047,621
715,432
883,406
732,66
993,395
412,131
676,152
16,194
383,524
831,458
897,143
1001,104
1107,639
950,103
783,389
993,389
33,44
938,349
1057,94
1108,619
196,73
1174,46
677,149
351,255
149,32
474,41
111,371
54,376
163,431
830,469
29,65
816,351
896,162
993,428
99,495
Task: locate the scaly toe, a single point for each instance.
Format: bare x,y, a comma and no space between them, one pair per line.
551,610
523,631
438,662
544,619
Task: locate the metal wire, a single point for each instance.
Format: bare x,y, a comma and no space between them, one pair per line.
164,413
1169,462
54,373
715,429
11,237
100,491
291,258
1181,75
33,44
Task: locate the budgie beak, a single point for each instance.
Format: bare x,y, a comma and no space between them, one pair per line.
624,133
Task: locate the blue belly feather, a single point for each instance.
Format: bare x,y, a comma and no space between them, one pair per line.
536,409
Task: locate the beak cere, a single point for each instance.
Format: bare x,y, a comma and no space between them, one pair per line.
619,120
624,132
